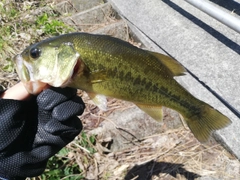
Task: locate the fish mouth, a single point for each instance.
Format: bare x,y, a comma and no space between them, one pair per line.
33,87
19,66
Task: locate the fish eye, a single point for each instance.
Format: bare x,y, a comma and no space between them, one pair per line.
35,53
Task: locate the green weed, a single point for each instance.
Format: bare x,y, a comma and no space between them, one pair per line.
8,66
60,166
51,26
88,142
64,166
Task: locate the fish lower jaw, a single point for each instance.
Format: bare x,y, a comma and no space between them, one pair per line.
35,87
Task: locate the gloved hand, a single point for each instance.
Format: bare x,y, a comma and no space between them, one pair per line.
33,131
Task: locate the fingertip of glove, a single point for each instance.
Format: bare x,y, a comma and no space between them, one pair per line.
79,101
70,128
53,96
68,109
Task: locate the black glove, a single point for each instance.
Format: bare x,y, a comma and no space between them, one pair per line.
33,131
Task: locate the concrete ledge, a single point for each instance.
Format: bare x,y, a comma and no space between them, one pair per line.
93,18
117,29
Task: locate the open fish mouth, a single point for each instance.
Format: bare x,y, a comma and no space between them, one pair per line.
24,72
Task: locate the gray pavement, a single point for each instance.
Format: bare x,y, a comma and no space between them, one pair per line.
207,48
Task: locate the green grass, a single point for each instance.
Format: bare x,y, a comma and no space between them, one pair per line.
50,26
60,166
64,164
87,142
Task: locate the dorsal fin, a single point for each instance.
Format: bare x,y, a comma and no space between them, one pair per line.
174,66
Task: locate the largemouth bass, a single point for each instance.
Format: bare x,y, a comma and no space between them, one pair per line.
103,65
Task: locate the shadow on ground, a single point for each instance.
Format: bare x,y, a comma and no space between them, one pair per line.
146,171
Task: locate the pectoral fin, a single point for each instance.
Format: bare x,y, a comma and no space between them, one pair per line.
154,111
98,76
99,100
174,66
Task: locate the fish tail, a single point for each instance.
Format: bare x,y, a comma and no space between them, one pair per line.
205,121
